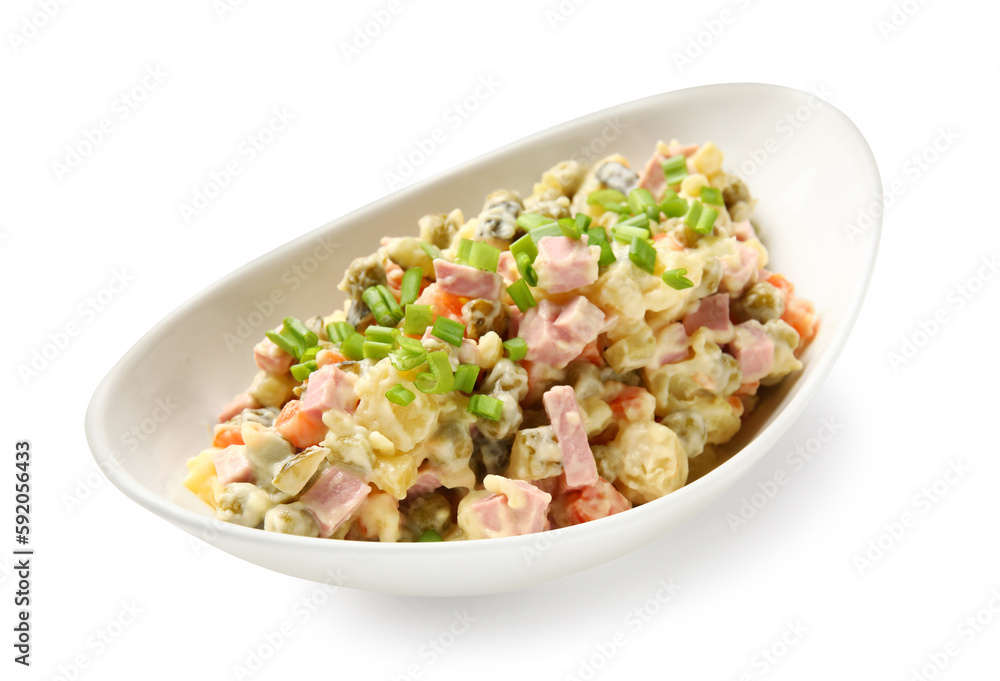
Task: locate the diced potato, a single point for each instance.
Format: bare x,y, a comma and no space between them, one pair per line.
201,472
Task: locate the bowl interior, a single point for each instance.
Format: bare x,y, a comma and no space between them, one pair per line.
807,164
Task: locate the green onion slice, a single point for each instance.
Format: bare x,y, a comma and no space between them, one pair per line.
676,279
301,371
675,207
487,407
675,169
440,379
298,332
694,212
521,294
602,196
400,395
624,234
375,350
448,330
583,222
410,288
484,257
352,347
338,331
598,236
290,346
569,228
639,200
380,334
551,229
417,319
530,221
465,377
432,251
516,348
525,269
711,195
642,253
706,222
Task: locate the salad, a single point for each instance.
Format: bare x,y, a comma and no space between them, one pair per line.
556,359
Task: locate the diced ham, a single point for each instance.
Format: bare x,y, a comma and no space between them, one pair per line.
466,281
329,388
298,427
598,500
672,345
556,335
232,465
442,302
506,509
426,482
712,313
737,275
743,230
334,497
564,264
237,405
507,268
271,358
652,177
578,462
753,349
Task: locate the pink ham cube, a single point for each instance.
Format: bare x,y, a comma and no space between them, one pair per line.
271,358
564,264
578,462
329,388
507,509
753,349
556,335
232,465
334,497
237,405
712,313
468,282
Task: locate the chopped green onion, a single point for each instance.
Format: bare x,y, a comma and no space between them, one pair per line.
432,251
642,253
440,379
597,236
674,207
639,200
583,221
551,229
397,394
653,213
694,212
525,245
525,269
463,252
352,347
487,407
624,234
711,195
602,196
338,331
641,220
380,334
301,371
310,353
379,308
298,332
418,318
521,294
409,354
707,221
619,208
375,351
410,288
516,348
530,221
676,279
569,228
430,535
484,256
390,300
448,330
465,377
290,346
675,169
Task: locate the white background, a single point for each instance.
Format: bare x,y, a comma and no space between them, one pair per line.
791,581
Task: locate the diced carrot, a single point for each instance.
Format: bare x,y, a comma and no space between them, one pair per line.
299,428
633,403
799,314
444,303
227,434
595,501
327,356
736,403
393,275
592,353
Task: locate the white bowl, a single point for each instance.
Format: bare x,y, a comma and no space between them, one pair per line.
805,161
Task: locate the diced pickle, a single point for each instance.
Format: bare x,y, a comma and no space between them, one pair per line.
242,503
482,316
763,302
292,518
431,511
361,274
535,454
293,473
489,456
690,427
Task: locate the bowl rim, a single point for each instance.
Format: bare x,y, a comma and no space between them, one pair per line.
812,378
